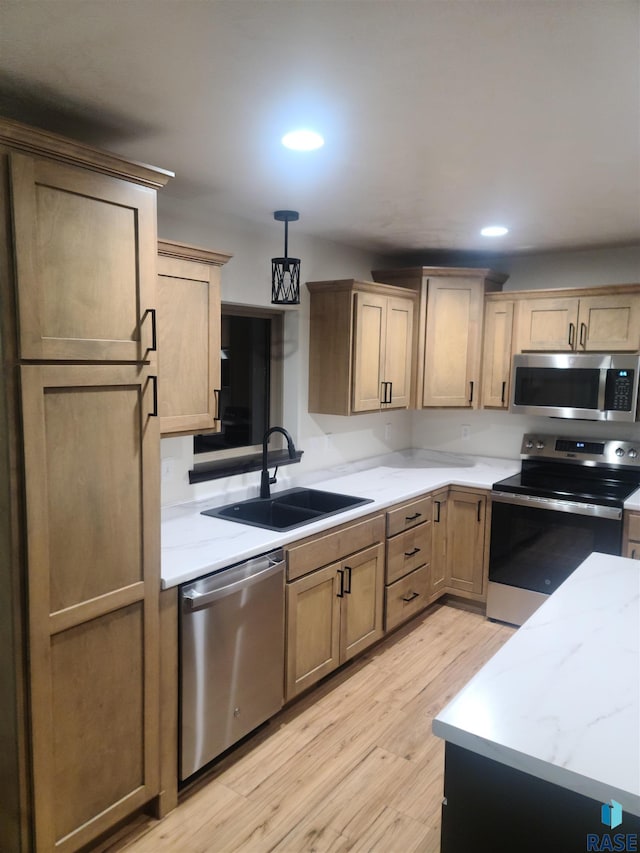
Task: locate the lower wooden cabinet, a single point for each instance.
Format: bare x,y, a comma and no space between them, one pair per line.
334,611
408,551
631,546
438,575
92,482
465,542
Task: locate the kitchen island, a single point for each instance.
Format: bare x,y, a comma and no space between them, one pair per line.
549,729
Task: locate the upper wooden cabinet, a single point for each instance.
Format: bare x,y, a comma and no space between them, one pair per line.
360,347
580,322
189,337
450,327
85,259
496,356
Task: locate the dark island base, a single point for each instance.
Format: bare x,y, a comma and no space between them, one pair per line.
492,808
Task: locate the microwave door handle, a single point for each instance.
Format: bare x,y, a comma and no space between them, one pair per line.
602,389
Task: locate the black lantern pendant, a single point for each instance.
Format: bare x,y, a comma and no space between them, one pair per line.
285,272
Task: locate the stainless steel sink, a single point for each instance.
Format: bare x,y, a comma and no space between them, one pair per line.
288,509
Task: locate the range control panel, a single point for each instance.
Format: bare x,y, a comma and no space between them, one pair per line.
587,451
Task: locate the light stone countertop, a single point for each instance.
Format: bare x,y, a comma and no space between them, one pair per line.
561,699
194,545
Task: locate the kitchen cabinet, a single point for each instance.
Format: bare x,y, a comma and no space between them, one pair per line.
189,338
449,330
603,322
360,347
631,535
438,577
466,516
496,359
79,433
334,606
408,557
84,250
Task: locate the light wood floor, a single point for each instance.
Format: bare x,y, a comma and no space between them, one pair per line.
352,766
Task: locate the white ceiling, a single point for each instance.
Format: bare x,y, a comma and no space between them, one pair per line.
440,116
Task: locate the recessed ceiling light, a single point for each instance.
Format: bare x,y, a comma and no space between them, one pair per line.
494,231
302,140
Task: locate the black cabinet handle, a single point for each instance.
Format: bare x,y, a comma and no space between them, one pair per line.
583,335
412,553
633,553
479,508
572,334
347,586
412,517
504,388
154,330
471,391
437,518
410,596
386,392
154,413
341,593
216,399
390,400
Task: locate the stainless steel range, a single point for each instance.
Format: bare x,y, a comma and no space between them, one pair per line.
566,502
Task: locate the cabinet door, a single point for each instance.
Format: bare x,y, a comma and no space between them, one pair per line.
609,323
85,252
496,366
313,628
452,347
189,341
361,623
91,451
465,541
547,324
398,349
368,351
439,543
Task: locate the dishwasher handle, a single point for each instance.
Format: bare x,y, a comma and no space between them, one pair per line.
230,581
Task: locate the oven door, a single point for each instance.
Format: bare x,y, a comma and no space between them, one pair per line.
537,542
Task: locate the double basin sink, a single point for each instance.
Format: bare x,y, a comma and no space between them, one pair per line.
288,509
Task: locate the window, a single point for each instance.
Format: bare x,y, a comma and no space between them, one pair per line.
251,384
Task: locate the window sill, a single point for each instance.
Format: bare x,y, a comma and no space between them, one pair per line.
204,471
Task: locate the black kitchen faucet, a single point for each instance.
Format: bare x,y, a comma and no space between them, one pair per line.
265,479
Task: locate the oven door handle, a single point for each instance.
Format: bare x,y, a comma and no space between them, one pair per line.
556,505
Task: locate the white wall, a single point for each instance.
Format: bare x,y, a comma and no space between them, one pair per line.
329,440
246,279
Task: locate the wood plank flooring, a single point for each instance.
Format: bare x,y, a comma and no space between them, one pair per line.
351,766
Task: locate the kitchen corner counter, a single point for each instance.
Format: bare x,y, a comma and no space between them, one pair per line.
194,545
561,700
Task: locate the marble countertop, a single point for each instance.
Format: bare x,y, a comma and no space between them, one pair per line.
194,544
561,699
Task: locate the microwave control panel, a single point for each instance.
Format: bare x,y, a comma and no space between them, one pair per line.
619,388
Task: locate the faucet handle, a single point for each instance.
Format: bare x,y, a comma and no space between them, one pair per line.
273,479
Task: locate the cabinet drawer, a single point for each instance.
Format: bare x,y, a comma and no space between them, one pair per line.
406,597
334,546
407,551
633,527
408,516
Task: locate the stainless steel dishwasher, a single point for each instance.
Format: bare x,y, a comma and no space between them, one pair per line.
231,656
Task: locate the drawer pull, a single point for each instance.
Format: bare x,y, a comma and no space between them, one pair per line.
633,553
347,587
411,553
410,596
413,517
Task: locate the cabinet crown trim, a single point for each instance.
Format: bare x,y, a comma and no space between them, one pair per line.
187,252
35,141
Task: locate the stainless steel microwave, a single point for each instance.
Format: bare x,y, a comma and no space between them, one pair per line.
596,387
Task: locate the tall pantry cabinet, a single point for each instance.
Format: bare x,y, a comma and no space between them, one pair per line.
79,447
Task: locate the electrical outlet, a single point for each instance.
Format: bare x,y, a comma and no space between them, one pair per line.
387,432
466,432
327,441
168,465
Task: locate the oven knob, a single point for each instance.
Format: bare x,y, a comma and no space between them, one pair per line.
540,445
632,453
619,451
529,444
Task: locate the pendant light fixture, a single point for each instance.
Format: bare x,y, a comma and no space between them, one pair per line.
285,272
